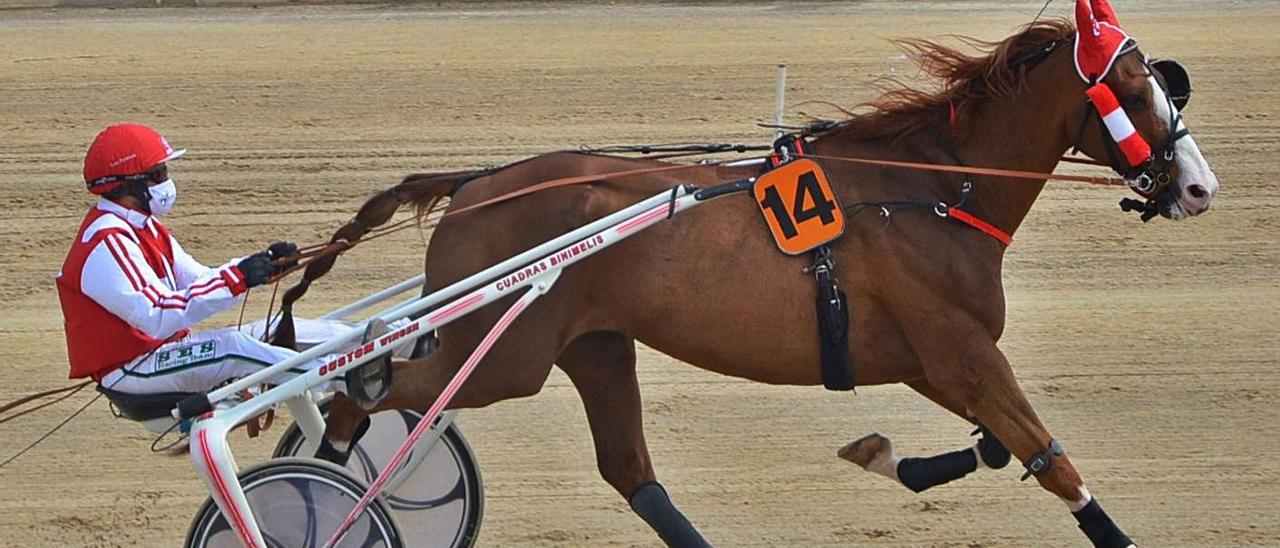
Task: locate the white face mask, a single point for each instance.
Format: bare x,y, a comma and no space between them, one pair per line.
163,196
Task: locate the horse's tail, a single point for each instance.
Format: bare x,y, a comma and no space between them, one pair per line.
423,190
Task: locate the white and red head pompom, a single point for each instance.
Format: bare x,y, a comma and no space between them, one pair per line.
1099,39
1135,148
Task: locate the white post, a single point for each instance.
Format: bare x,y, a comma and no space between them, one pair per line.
779,99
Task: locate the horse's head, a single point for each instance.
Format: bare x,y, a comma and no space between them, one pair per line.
1135,105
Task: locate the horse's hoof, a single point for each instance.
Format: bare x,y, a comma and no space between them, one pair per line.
864,450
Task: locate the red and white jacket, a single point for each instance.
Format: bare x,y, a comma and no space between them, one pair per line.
127,287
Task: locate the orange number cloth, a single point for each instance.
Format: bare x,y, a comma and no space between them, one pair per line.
799,206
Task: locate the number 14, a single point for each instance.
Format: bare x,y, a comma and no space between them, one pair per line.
807,192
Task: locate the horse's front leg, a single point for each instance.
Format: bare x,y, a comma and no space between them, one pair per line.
962,361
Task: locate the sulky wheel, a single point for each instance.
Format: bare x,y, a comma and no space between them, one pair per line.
439,502
299,502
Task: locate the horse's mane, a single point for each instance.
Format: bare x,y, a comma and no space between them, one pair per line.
966,80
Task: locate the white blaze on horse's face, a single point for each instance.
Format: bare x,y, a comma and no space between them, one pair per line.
1196,184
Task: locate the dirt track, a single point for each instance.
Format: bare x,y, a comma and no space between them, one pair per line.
1150,350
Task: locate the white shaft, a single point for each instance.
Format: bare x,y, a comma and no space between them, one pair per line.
341,342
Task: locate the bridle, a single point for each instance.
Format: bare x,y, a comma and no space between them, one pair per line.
1150,177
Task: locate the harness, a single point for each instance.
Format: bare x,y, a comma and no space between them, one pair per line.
957,212
831,304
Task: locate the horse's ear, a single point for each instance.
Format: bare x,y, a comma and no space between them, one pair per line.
1091,12
1103,13
1099,39
1084,16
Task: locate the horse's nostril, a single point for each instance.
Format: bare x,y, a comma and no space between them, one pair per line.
1197,191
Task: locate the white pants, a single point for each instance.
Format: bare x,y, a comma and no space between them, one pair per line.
204,360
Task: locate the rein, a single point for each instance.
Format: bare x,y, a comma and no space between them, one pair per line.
380,208
310,254
318,259
974,170
567,181
15,403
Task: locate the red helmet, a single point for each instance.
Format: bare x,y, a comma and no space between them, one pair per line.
124,152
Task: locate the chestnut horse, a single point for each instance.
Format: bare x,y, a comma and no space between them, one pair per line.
924,291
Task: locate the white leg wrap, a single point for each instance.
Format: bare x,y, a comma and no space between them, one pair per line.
978,455
341,446
1076,505
886,464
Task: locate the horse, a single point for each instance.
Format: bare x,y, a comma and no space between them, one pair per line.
709,288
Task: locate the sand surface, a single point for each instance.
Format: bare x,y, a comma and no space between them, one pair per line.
1149,350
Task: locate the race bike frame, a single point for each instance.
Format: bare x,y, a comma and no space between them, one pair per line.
213,415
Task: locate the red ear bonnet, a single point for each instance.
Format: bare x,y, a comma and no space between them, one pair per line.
1099,39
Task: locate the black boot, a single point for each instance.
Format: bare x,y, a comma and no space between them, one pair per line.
1097,525
920,473
650,502
328,452
994,454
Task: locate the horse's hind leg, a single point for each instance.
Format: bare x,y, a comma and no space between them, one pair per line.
516,366
602,366
875,452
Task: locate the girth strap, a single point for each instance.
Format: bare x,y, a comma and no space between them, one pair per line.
831,305
833,324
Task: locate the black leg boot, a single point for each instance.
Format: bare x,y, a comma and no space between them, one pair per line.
920,473
994,454
650,502
1097,525
328,452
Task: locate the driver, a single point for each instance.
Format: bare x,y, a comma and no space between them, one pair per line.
130,293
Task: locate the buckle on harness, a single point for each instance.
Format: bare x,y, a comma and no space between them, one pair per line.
788,148
944,210
828,285
822,262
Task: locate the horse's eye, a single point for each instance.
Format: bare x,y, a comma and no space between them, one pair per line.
1135,101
